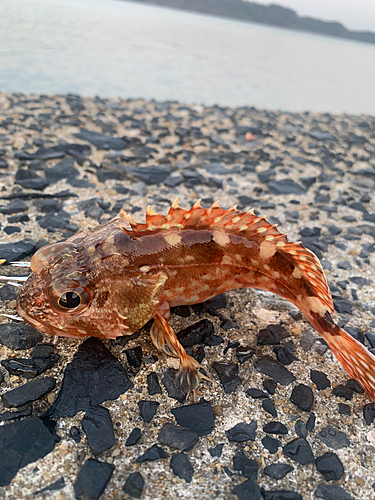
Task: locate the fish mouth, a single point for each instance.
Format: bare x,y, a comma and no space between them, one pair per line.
45,327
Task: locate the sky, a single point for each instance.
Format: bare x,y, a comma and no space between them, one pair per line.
354,14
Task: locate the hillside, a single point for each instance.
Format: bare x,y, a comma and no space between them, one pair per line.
274,15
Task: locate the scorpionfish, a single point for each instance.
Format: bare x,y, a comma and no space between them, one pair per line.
112,280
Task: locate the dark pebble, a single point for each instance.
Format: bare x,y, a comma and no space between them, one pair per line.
285,186
218,302
299,450
369,413
14,207
310,424
97,425
62,170
148,410
154,174
274,369
153,453
11,229
355,386
92,479
134,356
228,375
344,409
227,324
181,466
102,141
320,379
245,466
343,392
359,280
242,432
16,336
177,437
322,135
271,444
197,352
196,333
42,359
21,443
18,250
79,151
93,376
270,385
247,491
269,407
344,264
183,311
75,434
256,393
343,306
134,485
216,451
15,415
213,340
275,428
330,492
133,437
278,471
272,335
54,221
55,486
172,387
153,385
29,179
8,293
48,205
333,438
280,495
29,392
330,466
284,356
266,175
23,367
198,417
369,335
244,353
303,397
300,428
103,175
173,181
355,333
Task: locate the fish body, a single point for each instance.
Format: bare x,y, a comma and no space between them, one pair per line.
112,280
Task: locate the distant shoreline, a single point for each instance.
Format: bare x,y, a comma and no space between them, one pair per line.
273,15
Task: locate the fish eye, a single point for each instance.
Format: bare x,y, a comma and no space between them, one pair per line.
69,300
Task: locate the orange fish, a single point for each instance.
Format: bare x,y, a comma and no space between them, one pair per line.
112,280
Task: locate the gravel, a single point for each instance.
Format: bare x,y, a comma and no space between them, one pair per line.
310,173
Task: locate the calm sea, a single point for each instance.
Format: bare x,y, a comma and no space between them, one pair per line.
116,48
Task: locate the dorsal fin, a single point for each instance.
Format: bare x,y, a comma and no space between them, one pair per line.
245,224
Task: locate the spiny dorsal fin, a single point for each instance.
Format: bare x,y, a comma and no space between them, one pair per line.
245,224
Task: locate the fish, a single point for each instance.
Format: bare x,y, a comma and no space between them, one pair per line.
110,281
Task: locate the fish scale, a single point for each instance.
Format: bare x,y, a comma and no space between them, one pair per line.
124,273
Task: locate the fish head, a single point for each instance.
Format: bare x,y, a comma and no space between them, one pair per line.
67,295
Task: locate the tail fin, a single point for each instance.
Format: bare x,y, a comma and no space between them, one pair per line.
357,361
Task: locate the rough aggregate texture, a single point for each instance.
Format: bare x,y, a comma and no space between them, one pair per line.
69,162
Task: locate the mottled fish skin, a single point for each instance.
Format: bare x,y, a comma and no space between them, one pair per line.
123,273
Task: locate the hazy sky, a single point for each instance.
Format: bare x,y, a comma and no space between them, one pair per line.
354,14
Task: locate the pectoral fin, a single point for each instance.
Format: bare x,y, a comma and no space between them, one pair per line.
139,298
